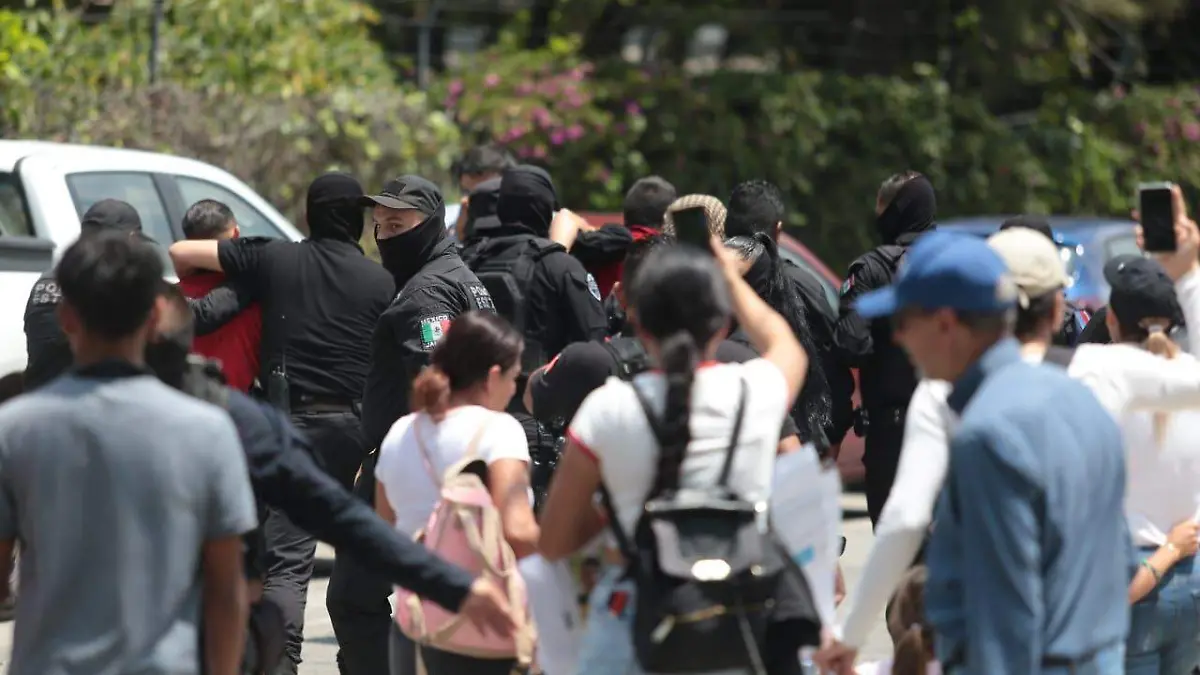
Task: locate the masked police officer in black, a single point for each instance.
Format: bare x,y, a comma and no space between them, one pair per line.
538,286
286,477
433,287
46,345
905,209
320,300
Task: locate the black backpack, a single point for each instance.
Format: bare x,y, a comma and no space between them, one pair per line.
629,356
701,560
506,266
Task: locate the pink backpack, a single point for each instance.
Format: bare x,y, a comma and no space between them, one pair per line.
465,529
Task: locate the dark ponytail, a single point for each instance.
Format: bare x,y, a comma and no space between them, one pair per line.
680,355
681,301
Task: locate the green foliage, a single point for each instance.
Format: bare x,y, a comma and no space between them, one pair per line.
276,93
549,109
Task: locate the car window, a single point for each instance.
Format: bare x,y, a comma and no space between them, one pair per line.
831,293
14,217
136,188
251,221
1071,261
1121,244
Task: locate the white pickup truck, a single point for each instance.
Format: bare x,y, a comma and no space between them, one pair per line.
46,187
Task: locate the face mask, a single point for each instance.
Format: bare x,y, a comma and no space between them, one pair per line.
405,254
167,357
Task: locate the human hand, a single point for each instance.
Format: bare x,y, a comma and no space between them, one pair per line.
1185,537
487,608
1183,259
837,658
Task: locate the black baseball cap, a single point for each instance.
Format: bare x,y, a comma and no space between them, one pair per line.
111,215
1141,290
408,192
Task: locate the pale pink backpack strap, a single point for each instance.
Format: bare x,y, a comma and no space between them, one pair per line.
427,461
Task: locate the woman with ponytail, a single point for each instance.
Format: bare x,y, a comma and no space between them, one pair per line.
911,634
459,403
681,307
1163,480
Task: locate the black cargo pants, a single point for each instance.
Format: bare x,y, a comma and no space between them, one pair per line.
357,601
881,457
336,438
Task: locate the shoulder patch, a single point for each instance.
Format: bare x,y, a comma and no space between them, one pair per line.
45,292
593,287
480,298
848,284
432,329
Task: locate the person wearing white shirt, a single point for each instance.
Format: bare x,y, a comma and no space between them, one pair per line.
459,402
1123,377
681,306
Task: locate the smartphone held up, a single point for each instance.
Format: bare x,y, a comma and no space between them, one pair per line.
1156,210
691,227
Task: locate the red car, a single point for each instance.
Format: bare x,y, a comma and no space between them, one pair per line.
850,460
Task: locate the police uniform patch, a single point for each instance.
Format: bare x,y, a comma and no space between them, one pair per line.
432,330
480,298
594,288
46,292
848,284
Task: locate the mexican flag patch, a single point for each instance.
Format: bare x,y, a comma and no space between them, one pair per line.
432,330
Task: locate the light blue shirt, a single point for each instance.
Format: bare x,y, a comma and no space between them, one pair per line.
1030,554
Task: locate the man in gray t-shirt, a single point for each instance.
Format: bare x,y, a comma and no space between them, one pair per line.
128,497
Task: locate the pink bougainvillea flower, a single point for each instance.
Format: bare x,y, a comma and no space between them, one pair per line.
456,87
557,137
574,132
491,80
632,108
1191,131
525,88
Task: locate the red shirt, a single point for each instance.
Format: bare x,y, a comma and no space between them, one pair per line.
235,344
608,274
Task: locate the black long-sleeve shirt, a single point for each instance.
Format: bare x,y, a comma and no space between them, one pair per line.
285,476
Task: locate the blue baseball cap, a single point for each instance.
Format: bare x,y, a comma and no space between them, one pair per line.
945,270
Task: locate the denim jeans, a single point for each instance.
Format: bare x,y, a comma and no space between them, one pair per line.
1107,661
607,647
1164,631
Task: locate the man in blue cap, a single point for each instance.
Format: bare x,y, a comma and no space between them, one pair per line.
1030,555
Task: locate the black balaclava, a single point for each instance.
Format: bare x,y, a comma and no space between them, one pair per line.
334,208
405,254
912,211
482,205
528,198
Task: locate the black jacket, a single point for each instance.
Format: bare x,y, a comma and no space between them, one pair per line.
406,333
49,353
822,322
285,477
886,376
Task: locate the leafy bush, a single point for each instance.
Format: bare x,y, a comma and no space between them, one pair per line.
275,93
549,108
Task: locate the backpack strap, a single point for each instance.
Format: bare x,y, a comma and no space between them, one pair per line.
736,437
427,460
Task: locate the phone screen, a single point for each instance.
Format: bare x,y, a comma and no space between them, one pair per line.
691,227
1158,218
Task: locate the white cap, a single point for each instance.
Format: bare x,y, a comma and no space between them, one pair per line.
1032,260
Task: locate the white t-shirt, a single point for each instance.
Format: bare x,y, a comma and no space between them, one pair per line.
402,472
612,427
